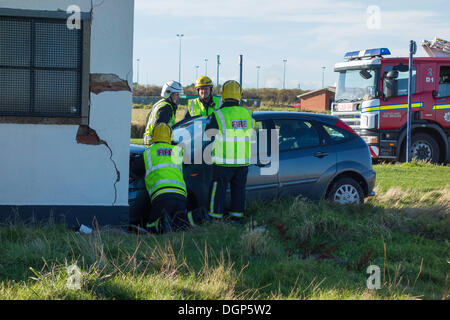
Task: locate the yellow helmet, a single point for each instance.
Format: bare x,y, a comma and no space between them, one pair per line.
162,132
231,90
203,81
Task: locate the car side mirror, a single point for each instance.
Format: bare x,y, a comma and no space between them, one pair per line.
434,93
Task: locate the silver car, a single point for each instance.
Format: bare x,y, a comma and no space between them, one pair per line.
313,155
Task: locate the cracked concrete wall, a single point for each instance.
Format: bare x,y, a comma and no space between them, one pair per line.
47,164
101,82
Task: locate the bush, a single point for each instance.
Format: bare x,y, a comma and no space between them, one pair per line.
268,96
137,130
142,106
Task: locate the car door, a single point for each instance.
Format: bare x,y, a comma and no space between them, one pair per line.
304,158
262,183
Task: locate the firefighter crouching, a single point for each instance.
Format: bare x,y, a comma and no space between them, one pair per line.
231,152
206,103
165,184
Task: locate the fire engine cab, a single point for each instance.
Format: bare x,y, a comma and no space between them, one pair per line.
372,98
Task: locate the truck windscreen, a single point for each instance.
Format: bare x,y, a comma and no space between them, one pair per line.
356,85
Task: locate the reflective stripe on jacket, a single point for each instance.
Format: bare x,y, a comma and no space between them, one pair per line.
196,107
152,119
164,170
232,144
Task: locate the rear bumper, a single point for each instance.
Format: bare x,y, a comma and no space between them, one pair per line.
370,177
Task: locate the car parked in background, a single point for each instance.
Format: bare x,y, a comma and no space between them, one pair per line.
319,157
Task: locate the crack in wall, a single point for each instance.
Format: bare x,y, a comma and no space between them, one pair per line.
87,135
98,83
101,82
97,5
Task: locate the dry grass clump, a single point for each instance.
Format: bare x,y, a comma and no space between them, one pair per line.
398,197
426,213
255,241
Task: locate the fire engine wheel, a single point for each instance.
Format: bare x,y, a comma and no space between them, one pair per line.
424,148
346,191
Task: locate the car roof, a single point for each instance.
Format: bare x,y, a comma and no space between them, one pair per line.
265,115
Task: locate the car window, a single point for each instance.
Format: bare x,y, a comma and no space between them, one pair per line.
295,134
336,134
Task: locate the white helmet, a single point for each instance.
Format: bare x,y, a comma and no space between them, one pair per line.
171,87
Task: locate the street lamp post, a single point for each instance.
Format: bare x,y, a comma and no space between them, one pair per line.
284,73
412,52
323,77
206,66
196,73
257,77
137,80
218,66
179,35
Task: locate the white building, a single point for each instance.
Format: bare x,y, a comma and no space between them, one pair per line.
66,75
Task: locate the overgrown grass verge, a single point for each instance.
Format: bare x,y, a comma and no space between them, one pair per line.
287,249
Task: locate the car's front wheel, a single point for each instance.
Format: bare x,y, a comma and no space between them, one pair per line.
346,191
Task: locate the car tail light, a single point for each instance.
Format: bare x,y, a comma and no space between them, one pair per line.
341,124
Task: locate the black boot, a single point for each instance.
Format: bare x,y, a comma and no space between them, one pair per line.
165,223
200,215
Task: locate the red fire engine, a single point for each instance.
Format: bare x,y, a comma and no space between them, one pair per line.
372,98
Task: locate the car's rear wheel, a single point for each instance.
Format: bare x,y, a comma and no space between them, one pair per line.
346,191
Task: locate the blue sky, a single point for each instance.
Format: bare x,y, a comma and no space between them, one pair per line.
309,34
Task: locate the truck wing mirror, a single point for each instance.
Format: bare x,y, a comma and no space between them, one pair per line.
391,87
365,74
393,74
402,67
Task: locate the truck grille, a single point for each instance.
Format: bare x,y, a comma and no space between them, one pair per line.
351,118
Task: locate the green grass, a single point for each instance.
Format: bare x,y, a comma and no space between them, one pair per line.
416,175
137,141
287,249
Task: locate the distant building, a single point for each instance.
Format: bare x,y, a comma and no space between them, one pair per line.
317,100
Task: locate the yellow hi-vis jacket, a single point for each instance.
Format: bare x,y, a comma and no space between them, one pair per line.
164,170
152,119
232,145
196,107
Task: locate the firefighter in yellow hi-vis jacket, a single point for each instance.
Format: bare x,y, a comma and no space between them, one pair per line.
163,111
206,103
165,184
231,152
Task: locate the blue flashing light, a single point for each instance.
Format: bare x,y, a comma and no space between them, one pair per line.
352,54
367,53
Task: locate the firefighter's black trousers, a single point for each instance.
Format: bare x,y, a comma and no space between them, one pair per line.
168,213
237,178
164,208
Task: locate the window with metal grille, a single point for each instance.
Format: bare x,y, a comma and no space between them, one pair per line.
40,67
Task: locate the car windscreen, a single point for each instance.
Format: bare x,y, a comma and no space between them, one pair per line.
190,136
